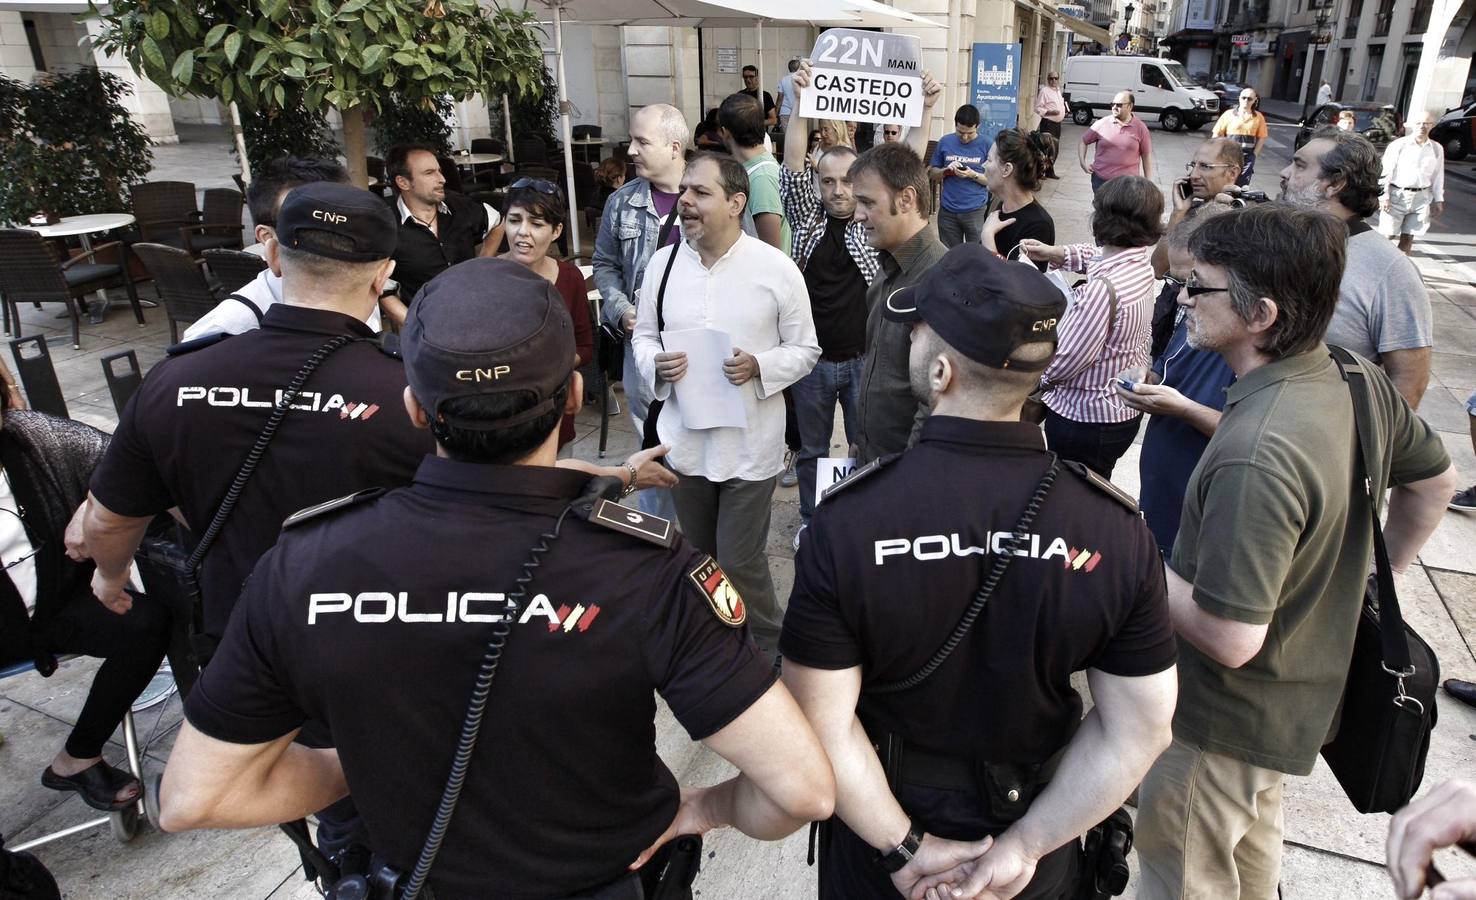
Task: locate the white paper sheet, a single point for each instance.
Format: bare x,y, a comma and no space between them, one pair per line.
831,470
705,397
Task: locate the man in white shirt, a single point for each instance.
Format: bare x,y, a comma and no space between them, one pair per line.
243,308
721,279
1414,182
1324,93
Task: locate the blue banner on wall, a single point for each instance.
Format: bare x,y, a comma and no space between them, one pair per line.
996,87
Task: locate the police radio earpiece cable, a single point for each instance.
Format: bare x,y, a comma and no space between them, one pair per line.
203,645
477,707
986,590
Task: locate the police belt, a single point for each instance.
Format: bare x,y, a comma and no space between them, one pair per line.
1005,789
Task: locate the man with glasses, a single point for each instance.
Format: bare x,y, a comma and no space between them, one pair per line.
1051,107
891,133
1209,177
1247,127
1183,392
1266,578
1123,144
1414,182
751,88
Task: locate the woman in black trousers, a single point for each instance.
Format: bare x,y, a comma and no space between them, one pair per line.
46,603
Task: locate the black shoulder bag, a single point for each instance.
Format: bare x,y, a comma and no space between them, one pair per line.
649,436
1388,707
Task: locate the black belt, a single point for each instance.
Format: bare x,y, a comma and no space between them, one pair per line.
840,357
956,773
1397,187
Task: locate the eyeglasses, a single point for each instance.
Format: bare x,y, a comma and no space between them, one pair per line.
538,184
1193,288
1175,284
1247,96
1190,167
1118,105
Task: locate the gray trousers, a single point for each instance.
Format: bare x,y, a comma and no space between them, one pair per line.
730,521
954,228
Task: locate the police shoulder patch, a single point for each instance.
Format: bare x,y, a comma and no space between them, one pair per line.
649,528
713,583
1103,485
861,473
331,506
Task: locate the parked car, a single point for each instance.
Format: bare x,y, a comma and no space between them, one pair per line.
1453,131
1379,122
1162,91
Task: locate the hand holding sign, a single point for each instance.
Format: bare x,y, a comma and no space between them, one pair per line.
864,76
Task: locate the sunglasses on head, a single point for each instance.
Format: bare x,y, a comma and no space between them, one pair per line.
537,184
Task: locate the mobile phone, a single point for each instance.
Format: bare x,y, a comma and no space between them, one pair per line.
1184,189
1125,383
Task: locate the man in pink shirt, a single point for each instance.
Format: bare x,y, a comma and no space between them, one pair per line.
1122,144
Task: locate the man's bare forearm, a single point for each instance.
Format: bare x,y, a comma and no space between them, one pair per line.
1415,510
245,787
863,800
112,539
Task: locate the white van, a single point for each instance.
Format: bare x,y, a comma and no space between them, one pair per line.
1162,91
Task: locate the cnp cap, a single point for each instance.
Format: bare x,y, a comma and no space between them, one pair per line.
983,306
361,220
487,326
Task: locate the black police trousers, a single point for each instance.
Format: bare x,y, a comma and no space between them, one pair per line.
848,870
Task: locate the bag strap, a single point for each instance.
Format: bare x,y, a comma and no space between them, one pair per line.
1111,311
665,274
248,467
1391,621
248,304
666,226
986,590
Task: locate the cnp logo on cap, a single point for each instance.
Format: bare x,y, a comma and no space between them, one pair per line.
338,221
491,374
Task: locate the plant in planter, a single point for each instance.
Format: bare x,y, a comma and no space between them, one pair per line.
347,56
403,120
289,131
67,145
532,113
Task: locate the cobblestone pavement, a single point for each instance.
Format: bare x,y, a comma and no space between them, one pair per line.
1332,852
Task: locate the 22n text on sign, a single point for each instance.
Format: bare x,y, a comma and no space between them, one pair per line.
865,76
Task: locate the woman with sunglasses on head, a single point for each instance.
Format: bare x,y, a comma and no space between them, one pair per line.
1247,127
1013,170
533,216
1051,107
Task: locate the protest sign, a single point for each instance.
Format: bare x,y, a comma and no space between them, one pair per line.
830,470
865,76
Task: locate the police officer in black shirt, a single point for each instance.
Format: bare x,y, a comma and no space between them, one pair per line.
373,613
942,599
184,436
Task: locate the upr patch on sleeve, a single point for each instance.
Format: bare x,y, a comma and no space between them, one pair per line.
710,579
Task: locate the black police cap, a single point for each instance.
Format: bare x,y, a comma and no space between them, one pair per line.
983,306
360,219
487,326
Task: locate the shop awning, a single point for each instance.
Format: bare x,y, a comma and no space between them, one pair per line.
1083,28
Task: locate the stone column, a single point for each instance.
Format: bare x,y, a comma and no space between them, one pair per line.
16,60
1445,57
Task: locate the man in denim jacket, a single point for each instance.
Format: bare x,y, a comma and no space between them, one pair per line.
630,231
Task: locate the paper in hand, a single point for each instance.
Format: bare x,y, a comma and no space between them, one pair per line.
705,397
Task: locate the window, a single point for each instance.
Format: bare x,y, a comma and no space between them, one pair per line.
1383,18
1419,17
1152,77
1355,13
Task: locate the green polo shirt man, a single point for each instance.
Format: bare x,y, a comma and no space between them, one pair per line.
1266,577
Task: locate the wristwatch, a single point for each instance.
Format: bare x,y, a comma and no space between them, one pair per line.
902,854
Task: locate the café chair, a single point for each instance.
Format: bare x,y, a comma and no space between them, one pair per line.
122,385
233,269
30,272
38,376
180,283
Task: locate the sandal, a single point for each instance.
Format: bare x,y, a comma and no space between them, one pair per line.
98,785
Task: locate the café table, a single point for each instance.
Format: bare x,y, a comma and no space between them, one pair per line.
82,228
